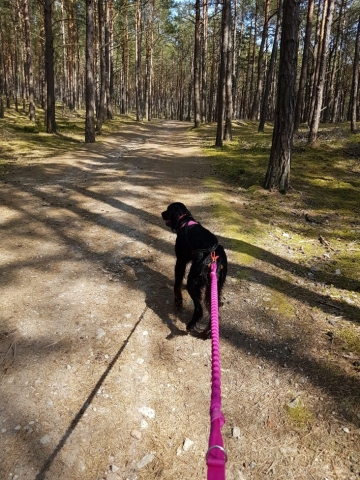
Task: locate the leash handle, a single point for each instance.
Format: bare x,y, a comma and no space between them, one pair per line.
216,455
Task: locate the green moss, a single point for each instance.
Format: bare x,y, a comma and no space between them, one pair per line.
24,140
299,414
349,338
274,228
282,304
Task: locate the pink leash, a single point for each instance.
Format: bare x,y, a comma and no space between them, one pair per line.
216,455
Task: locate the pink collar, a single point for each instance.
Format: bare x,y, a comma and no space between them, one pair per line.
189,223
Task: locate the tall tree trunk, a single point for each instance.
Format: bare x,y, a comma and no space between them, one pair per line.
319,36
29,66
124,106
138,89
334,65
304,66
148,100
204,102
338,89
2,114
246,93
197,96
109,7
278,173
314,126
253,60
270,72
212,90
260,67
89,86
228,78
49,69
225,33
64,88
354,99
102,96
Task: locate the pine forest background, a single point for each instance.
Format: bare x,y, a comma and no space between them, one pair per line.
165,59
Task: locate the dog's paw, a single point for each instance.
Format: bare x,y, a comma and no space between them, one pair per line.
191,327
178,302
205,334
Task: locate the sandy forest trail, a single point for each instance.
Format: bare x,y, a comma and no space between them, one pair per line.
99,379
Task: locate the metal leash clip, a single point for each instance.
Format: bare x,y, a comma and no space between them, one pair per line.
220,448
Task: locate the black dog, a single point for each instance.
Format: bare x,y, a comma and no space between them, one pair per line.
194,243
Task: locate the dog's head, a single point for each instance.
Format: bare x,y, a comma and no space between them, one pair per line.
174,213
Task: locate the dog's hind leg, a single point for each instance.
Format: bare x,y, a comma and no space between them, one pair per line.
194,289
180,268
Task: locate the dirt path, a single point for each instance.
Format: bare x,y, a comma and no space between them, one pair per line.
100,380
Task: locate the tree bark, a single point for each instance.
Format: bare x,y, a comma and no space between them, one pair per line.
89,85
260,67
138,88
29,66
204,102
278,173
197,96
304,66
101,110
49,69
225,30
228,76
270,72
354,102
314,126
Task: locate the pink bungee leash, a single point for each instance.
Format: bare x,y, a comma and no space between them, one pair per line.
216,455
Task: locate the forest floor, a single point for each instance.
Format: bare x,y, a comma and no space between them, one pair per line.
99,379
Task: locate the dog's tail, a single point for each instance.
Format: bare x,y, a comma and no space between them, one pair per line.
221,272
221,267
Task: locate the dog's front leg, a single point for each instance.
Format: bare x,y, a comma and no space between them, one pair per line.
180,268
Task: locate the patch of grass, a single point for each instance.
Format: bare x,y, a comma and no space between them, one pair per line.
299,414
282,304
25,140
349,338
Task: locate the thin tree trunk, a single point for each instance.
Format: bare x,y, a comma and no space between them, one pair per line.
29,66
204,102
109,6
89,86
225,30
2,114
334,65
339,71
304,66
314,126
319,43
270,72
148,100
64,93
49,69
228,77
138,89
197,96
212,90
102,93
260,67
124,106
355,81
